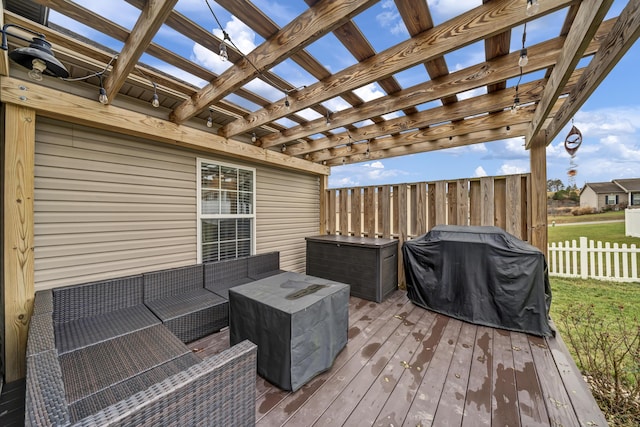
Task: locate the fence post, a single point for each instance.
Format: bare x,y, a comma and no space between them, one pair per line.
584,273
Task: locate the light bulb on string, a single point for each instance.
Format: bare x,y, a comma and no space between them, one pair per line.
155,102
532,7
254,138
224,55
524,59
210,118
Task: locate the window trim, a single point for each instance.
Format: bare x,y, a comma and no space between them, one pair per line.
611,197
200,216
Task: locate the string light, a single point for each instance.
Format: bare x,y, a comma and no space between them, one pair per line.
254,138
224,55
102,97
155,102
532,7
284,148
524,59
508,130
210,118
328,121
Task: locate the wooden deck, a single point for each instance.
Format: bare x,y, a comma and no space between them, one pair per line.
404,365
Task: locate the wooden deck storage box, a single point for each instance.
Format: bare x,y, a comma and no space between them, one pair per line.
369,265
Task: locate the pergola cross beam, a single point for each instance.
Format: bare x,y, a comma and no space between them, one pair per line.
476,24
623,35
304,30
151,19
588,18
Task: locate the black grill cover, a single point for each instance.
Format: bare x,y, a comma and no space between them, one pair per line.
482,275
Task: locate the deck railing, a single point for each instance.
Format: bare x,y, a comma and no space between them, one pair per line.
405,211
589,259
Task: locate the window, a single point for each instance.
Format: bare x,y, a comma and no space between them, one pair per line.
635,199
226,213
611,199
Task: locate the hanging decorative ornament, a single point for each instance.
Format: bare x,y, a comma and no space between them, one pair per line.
573,140
571,144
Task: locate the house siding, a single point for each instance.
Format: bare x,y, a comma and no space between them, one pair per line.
108,205
589,198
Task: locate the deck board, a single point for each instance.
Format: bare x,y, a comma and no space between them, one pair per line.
504,398
404,365
379,391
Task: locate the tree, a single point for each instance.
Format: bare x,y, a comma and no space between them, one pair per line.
554,185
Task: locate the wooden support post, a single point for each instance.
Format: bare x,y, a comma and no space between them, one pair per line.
538,159
324,205
401,202
18,257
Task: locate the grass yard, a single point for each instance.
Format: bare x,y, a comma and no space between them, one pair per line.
606,297
599,322
604,216
605,232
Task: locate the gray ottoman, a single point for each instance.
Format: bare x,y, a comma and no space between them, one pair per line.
298,322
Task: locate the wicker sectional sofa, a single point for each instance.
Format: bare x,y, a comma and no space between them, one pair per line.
113,353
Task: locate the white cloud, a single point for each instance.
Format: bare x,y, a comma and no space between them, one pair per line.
365,174
479,171
472,93
390,18
450,8
512,168
369,92
241,35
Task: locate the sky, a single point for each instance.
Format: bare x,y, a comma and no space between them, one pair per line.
609,120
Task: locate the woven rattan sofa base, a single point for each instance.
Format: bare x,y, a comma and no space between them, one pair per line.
178,298
134,378
112,353
192,315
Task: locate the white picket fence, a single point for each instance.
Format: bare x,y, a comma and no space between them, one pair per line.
594,260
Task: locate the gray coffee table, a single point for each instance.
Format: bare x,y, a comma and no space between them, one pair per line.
298,322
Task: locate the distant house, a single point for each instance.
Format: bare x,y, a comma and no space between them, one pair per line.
617,194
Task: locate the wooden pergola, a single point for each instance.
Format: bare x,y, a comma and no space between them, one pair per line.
334,138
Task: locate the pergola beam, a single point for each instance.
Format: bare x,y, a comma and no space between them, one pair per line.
623,35
151,19
477,24
451,135
529,93
417,18
75,109
304,30
543,55
588,18
413,140
433,145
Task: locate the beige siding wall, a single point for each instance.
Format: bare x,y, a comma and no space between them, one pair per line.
288,210
108,205
589,198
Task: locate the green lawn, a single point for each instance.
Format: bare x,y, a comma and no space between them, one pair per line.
606,297
605,232
599,323
604,216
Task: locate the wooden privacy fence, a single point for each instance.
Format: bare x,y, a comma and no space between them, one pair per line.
405,211
595,260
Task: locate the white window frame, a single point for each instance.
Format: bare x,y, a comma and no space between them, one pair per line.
635,199
200,216
611,199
